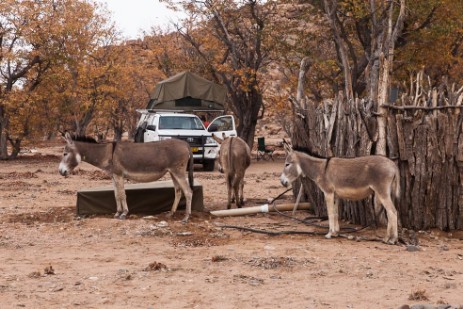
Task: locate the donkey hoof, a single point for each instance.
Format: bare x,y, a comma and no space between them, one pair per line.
331,235
116,215
185,220
169,214
389,241
123,217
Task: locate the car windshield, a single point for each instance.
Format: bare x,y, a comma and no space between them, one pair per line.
180,123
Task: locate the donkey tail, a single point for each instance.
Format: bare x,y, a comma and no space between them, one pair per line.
231,166
190,169
396,183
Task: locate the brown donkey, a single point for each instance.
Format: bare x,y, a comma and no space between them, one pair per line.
349,178
141,162
234,159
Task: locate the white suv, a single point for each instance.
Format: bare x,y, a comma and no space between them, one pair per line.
157,126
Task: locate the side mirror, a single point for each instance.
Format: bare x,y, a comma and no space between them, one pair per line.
151,128
212,128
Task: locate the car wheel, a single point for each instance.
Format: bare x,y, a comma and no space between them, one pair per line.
209,165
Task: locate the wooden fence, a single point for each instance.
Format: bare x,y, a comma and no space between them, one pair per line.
425,141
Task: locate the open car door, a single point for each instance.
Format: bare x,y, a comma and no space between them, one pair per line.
223,125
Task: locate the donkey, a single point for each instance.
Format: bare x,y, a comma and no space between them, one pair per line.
234,159
142,162
349,178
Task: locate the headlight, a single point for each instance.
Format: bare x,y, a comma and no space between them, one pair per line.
210,140
163,138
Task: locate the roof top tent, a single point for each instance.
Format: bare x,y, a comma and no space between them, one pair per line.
187,92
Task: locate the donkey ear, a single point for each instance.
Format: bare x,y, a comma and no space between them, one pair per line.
68,137
287,146
218,140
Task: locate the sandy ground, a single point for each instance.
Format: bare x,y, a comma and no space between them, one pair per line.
51,259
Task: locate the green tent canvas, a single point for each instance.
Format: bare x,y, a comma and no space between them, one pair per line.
187,91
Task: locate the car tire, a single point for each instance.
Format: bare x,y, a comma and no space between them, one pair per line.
209,165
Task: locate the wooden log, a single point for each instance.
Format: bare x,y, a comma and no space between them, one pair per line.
401,138
450,138
392,138
459,223
423,108
442,130
258,209
420,176
408,141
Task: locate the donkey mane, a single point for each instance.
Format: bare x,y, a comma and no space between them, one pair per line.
308,151
83,138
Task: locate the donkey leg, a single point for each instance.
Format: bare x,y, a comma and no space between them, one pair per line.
183,186
241,191
380,216
229,191
118,202
392,234
336,215
236,190
178,196
121,201
329,198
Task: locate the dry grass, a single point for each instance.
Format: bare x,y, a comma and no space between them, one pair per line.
418,295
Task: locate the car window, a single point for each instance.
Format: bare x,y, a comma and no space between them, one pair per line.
180,123
223,124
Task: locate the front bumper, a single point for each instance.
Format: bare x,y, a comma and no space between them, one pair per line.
204,153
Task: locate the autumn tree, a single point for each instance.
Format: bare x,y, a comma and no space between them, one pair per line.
136,74
231,37
432,40
37,39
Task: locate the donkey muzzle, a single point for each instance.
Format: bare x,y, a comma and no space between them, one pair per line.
63,170
284,181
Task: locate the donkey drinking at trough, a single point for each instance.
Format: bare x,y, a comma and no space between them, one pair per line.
349,178
234,159
142,162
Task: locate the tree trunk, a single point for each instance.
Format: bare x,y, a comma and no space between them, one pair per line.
3,134
16,147
3,146
386,62
248,111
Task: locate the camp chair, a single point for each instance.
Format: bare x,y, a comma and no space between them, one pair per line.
263,151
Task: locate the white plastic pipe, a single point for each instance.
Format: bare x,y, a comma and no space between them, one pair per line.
257,209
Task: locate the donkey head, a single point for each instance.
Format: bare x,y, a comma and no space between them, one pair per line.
71,157
219,156
292,169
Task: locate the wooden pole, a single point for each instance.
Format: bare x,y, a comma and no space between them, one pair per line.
298,199
258,209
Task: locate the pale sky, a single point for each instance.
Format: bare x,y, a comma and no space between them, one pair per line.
134,16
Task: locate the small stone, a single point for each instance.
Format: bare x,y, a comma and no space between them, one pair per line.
184,234
426,306
412,248
162,224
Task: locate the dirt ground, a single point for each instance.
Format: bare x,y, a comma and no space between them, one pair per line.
49,258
